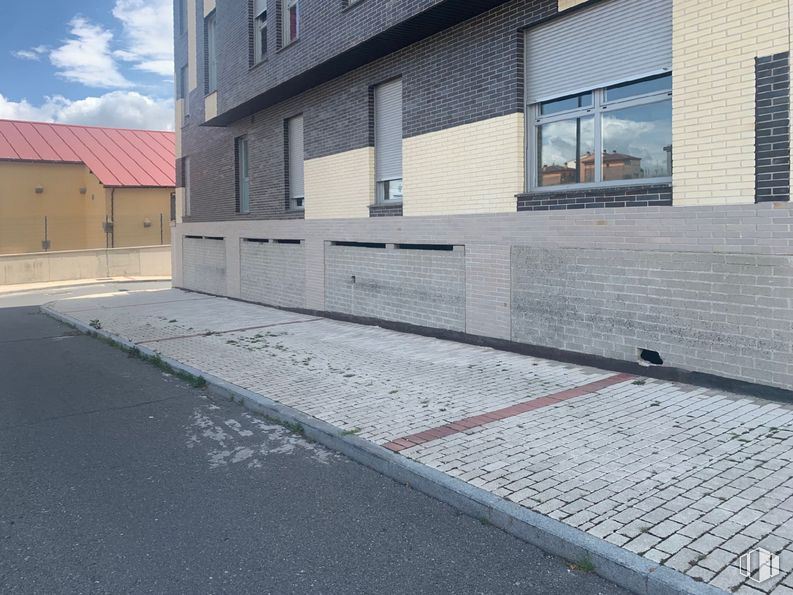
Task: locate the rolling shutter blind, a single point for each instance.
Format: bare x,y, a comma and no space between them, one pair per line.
296,157
611,42
388,130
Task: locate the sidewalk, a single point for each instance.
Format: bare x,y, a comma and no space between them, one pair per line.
688,477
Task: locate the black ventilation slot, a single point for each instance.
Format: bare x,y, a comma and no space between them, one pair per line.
256,241
287,241
202,238
437,247
359,244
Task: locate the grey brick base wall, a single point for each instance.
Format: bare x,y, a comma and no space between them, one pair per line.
273,273
204,264
729,314
421,287
710,288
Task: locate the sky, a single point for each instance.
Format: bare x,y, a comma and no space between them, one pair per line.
98,62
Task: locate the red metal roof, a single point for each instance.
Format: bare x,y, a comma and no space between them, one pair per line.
116,156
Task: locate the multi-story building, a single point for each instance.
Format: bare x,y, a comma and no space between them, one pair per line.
605,180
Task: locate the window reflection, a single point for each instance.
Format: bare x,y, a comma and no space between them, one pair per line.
562,145
637,142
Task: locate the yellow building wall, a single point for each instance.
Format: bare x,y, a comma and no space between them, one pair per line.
340,185
474,168
715,43
23,211
74,218
565,4
137,212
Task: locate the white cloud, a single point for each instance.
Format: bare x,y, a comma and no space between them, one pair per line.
92,55
148,33
32,54
86,57
117,109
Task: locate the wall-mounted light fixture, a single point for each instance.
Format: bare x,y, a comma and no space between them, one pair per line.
39,189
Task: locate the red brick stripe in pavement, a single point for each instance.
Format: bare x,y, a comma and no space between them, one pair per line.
461,425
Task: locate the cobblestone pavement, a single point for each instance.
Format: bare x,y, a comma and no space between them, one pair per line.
685,476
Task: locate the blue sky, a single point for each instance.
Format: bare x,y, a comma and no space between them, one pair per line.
101,62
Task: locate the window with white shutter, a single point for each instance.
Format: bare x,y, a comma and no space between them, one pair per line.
388,141
294,128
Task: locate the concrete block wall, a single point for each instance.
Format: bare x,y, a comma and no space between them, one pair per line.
273,273
708,287
204,264
729,314
415,286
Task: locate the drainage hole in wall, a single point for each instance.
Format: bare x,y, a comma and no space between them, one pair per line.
648,357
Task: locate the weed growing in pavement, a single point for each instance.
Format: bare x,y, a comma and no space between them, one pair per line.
639,382
585,564
294,427
351,432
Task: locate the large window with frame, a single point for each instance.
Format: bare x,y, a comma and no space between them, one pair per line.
388,141
290,26
259,31
616,134
210,54
295,162
241,164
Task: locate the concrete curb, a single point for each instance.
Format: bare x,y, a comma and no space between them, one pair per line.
626,569
9,290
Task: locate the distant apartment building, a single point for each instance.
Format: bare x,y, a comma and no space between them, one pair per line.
602,179
82,187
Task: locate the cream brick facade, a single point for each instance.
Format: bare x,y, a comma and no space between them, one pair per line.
715,44
475,168
340,185
565,4
210,106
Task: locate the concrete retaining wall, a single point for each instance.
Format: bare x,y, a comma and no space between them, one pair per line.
728,314
43,267
710,288
273,273
417,286
205,264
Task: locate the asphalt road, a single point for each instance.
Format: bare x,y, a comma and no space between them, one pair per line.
116,478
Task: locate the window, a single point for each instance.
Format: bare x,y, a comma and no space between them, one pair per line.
210,54
183,93
186,185
291,21
259,31
243,181
613,134
181,16
294,142
388,141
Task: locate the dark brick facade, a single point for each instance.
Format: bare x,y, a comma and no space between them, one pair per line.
380,210
610,196
465,74
772,127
